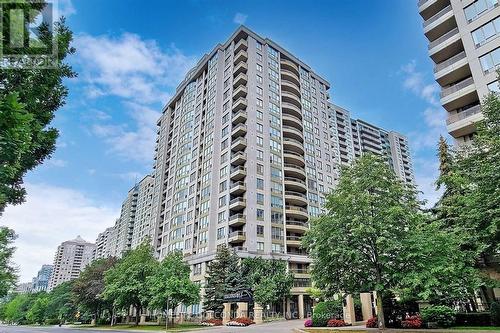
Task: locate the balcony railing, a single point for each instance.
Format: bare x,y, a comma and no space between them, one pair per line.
437,16
464,114
444,37
450,61
456,87
236,216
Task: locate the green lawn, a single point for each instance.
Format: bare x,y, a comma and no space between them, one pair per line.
177,328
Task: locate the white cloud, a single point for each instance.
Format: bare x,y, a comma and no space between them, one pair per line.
65,8
240,18
130,67
136,143
58,163
415,82
50,216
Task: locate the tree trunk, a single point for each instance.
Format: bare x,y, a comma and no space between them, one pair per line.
137,315
166,317
380,311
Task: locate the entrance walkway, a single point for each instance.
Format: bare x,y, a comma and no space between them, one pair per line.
282,326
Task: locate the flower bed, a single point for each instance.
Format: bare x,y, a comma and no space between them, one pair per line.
308,323
412,322
212,322
242,321
372,322
336,323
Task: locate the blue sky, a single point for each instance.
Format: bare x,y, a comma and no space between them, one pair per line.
131,55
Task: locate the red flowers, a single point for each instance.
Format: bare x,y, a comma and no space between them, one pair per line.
412,322
336,323
372,322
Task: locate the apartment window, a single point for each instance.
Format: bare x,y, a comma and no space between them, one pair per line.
259,57
260,216
275,173
221,217
260,169
258,46
260,141
260,230
487,32
259,79
478,8
260,103
259,68
223,171
222,201
221,232
260,155
222,187
276,248
494,87
225,131
260,183
259,91
260,246
276,202
260,198
490,60
260,128
224,144
260,115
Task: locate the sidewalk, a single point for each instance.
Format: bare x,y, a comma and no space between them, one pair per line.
362,329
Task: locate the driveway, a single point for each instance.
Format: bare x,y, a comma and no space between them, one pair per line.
282,326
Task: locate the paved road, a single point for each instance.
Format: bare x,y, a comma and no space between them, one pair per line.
275,327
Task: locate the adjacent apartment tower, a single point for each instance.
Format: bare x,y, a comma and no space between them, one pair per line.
70,259
247,149
464,46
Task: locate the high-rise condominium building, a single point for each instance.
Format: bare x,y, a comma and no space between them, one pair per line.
247,149
70,259
464,46
41,281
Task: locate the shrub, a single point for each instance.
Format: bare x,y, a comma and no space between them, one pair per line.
495,313
324,311
336,323
308,323
52,321
442,315
244,320
372,322
212,322
473,319
412,322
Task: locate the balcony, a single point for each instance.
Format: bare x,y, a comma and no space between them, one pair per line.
295,184
289,65
439,23
239,144
291,98
241,67
296,212
239,117
295,198
240,92
239,130
459,94
242,55
237,188
446,46
237,204
429,8
300,272
236,237
240,104
464,122
289,120
238,173
238,158
237,220
293,241
293,145
241,79
452,69
290,87
297,226
292,132
293,158
242,44
290,76
294,170
289,108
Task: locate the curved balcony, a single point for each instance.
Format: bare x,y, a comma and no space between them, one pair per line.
295,184
293,133
293,241
289,120
237,204
289,108
287,97
237,220
290,76
296,212
238,173
293,158
289,65
290,87
236,237
293,145
297,226
237,188
294,170
295,198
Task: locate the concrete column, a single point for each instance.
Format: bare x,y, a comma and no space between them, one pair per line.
349,314
301,306
257,313
288,311
242,309
366,305
142,320
226,315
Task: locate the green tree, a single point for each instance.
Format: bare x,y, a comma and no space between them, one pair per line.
29,99
37,312
268,279
170,285
61,303
17,309
358,244
217,279
125,283
89,286
8,275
